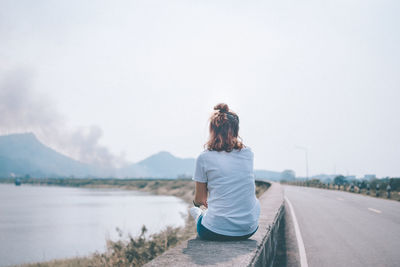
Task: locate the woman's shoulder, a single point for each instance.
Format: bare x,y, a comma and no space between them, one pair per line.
247,150
203,154
209,153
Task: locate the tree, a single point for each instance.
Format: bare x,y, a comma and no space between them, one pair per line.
339,180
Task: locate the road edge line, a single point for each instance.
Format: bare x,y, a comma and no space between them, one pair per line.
300,243
375,210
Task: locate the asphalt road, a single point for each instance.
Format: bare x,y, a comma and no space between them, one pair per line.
342,229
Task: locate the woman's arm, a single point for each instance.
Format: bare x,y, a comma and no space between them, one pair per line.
200,197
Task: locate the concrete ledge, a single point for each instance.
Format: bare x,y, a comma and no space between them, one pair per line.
259,250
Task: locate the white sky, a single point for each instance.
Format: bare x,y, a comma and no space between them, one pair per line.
318,74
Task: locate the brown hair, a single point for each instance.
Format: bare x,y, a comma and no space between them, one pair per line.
224,130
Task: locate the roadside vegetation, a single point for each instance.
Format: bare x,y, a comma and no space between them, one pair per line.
356,186
133,251
182,188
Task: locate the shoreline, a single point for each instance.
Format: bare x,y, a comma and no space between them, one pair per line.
167,238
181,188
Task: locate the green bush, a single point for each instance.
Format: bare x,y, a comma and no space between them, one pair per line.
136,251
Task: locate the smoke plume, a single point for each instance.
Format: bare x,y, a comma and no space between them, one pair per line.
23,110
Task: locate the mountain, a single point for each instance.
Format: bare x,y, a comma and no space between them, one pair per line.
166,165
23,154
160,165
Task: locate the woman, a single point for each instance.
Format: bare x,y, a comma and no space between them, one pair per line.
225,171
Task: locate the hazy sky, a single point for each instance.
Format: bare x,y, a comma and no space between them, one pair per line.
143,76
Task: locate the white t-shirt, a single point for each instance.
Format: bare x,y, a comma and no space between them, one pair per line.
233,208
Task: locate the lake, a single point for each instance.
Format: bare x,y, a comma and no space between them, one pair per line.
39,223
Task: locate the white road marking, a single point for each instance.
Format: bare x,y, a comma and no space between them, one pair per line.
339,198
300,243
375,210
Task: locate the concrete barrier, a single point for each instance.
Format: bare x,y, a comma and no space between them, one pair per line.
259,250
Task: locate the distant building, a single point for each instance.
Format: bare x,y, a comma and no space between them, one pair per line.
369,176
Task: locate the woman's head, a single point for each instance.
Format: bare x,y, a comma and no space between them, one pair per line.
224,130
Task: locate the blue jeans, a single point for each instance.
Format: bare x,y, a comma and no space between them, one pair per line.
204,233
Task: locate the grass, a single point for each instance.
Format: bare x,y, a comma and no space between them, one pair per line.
182,188
134,251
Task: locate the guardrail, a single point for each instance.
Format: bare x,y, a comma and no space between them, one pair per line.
259,250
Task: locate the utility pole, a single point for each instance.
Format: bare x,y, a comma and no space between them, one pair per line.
306,155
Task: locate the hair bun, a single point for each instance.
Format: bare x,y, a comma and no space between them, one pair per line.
222,107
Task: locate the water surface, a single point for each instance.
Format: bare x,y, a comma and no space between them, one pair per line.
39,223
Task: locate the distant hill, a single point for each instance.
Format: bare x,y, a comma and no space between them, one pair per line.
24,154
166,165
160,165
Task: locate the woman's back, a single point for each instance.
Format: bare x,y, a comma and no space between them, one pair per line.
233,208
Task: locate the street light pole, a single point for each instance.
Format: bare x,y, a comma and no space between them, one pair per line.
306,155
